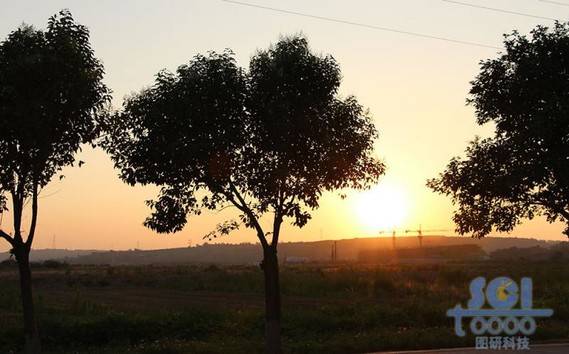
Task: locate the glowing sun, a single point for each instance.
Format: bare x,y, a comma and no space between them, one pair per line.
382,208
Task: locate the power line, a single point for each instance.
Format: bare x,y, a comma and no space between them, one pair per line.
499,10
364,25
555,2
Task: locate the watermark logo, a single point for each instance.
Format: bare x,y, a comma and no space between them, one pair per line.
509,311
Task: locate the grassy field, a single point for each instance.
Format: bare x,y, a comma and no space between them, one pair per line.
206,309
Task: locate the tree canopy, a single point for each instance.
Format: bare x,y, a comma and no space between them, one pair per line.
272,138
51,90
523,170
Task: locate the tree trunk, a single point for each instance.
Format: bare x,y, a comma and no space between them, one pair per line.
270,267
32,344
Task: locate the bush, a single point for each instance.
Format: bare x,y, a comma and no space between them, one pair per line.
9,263
54,264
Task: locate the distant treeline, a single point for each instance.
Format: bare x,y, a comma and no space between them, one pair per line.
536,253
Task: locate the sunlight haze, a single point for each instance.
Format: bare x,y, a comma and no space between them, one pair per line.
415,88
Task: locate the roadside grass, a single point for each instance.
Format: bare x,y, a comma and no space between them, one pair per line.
345,308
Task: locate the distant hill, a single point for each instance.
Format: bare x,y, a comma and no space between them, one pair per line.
56,254
347,249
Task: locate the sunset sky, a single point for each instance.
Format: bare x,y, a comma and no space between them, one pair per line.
414,87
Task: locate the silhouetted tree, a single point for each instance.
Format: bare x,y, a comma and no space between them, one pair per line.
50,92
523,171
269,141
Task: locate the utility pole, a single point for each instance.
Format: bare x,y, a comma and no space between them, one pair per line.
334,251
393,237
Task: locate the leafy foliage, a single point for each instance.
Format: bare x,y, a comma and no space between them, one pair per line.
51,92
523,171
272,139
224,228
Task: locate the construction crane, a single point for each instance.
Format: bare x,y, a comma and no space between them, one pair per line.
393,235
420,232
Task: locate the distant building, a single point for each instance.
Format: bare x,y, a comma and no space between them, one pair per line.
424,254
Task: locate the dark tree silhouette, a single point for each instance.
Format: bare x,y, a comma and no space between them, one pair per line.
269,141
523,171
50,92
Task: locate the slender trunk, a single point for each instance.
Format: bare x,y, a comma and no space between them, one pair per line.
32,340
270,267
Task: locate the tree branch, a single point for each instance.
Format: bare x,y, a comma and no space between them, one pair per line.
7,238
17,206
242,205
277,221
556,208
34,217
